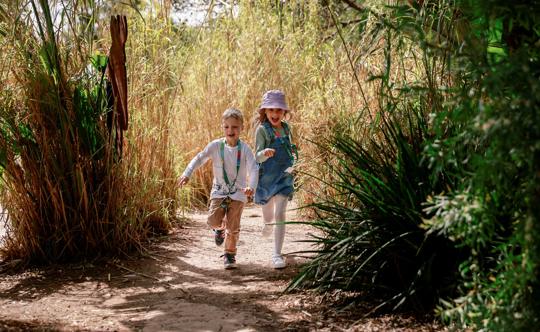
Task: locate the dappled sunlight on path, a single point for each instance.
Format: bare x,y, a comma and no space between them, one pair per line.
179,286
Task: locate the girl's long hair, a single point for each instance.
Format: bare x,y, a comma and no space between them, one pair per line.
260,117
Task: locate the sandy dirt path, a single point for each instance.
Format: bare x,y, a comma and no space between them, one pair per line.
180,286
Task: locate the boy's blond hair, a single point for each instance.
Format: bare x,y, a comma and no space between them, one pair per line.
233,113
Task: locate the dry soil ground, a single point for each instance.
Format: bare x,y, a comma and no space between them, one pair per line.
181,286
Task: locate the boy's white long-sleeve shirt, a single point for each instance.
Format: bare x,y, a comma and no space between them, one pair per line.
248,165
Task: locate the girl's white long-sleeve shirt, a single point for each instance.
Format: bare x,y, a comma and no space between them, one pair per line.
248,169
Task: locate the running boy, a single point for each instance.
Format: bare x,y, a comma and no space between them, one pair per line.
232,160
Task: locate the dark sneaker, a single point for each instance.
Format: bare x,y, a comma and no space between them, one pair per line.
219,236
229,261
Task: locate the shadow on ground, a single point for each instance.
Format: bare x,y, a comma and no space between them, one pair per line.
161,290
180,285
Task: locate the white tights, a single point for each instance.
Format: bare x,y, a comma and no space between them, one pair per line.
274,211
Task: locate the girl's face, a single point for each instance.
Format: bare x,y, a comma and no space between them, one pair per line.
275,116
231,130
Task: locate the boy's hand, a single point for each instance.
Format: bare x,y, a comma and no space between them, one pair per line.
248,191
182,181
269,152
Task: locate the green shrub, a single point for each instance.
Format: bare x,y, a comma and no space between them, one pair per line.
492,210
372,237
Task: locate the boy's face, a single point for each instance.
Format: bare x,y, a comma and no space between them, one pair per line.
275,116
231,130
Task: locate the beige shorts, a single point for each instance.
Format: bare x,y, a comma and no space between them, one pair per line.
227,218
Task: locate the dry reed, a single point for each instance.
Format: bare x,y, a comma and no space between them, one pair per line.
235,59
68,193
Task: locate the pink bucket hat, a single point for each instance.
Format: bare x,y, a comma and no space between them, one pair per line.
274,99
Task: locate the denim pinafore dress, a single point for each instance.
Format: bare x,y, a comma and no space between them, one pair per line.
273,180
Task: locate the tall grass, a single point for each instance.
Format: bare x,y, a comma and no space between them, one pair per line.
66,191
154,85
233,60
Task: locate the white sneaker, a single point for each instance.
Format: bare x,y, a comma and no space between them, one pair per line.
267,230
279,262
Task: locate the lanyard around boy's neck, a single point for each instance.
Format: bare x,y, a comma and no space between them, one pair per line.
290,148
238,159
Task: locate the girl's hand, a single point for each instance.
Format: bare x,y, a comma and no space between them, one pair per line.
248,191
182,181
269,152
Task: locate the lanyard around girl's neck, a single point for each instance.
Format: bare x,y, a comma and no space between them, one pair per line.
238,159
290,148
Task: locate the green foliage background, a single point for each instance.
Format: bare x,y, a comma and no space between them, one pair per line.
494,143
479,94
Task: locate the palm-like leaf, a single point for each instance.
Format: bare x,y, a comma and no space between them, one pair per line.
373,240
